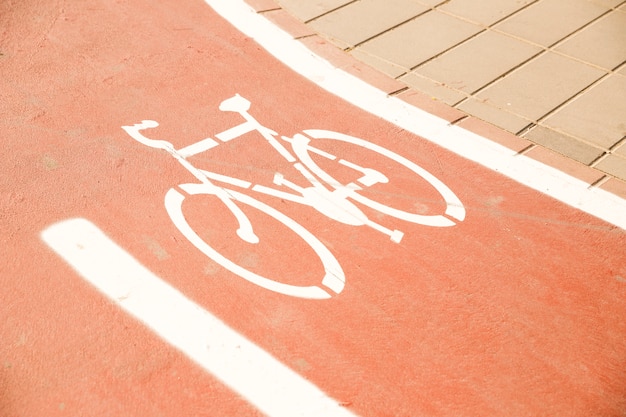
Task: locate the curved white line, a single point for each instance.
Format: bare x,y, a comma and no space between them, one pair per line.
527,171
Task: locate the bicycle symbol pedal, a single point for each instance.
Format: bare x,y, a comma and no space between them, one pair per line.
334,199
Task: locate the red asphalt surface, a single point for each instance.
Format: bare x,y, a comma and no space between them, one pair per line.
516,311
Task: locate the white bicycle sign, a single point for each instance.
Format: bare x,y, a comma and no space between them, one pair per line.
337,200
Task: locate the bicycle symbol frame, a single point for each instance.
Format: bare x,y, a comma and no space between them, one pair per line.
328,196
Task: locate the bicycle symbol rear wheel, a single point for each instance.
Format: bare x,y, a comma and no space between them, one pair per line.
454,210
332,282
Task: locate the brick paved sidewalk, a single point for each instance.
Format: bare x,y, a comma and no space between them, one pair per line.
550,72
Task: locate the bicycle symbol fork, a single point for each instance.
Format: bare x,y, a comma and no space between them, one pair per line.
324,193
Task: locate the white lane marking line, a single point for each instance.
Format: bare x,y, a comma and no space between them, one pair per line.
247,369
525,170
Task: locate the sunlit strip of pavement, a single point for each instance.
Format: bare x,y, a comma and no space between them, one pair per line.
538,176
247,369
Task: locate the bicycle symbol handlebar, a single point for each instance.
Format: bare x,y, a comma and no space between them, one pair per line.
133,131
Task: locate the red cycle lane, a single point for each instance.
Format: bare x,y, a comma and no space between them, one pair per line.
515,309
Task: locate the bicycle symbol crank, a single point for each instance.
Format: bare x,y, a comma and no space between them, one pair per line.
330,197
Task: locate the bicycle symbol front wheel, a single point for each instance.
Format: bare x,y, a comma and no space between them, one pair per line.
332,282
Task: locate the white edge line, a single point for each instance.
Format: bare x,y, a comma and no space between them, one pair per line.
527,171
243,366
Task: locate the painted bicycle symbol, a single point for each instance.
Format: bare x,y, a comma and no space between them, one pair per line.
337,200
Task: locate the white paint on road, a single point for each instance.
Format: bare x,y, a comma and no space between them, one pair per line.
527,171
253,373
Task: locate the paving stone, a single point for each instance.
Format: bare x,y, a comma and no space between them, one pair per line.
501,118
380,64
540,86
289,24
565,164
549,21
614,165
621,151
263,5
609,3
364,19
478,61
431,105
598,115
495,134
489,11
351,65
433,88
610,32
615,186
307,10
431,3
564,144
420,39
